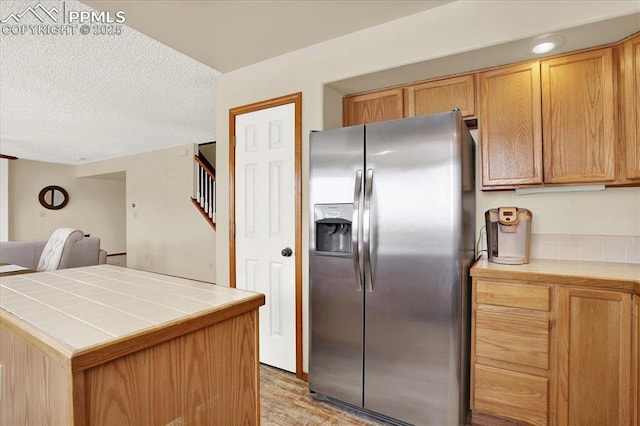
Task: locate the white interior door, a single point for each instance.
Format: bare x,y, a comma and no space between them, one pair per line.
265,225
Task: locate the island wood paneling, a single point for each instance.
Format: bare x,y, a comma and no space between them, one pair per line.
511,125
578,107
208,377
34,386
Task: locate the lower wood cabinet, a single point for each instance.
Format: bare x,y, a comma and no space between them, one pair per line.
550,354
510,350
635,361
594,357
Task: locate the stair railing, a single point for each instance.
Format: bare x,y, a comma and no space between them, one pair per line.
205,199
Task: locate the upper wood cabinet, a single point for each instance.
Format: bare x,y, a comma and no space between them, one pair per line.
578,108
510,125
570,119
629,93
559,113
441,96
372,107
417,99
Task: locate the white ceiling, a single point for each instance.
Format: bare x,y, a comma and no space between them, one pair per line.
79,98
231,34
576,38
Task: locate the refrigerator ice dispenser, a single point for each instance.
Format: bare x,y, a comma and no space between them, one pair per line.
333,229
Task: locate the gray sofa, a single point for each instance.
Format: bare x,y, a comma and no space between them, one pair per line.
85,252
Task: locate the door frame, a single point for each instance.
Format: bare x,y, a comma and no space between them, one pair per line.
296,99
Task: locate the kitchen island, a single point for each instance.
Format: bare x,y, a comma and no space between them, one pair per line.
556,342
105,345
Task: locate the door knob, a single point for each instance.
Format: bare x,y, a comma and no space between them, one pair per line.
286,252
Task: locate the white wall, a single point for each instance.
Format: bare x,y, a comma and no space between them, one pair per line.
164,233
96,206
614,211
456,27
209,152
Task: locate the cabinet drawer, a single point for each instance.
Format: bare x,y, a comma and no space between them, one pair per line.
512,395
509,338
527,296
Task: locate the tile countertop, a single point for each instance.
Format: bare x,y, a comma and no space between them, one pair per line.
605,275
86,307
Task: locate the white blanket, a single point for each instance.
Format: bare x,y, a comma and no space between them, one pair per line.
11,268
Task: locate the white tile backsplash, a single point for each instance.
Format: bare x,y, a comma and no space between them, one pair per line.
589,251
543,250
569,251
597,248
612,252
632,253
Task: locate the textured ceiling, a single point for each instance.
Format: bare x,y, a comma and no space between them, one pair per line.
80,98
73,98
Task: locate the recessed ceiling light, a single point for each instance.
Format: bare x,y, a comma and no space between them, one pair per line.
544,47
546,43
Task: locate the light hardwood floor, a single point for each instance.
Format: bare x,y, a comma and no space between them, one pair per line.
285,401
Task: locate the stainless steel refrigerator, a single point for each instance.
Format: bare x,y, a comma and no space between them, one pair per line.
392,231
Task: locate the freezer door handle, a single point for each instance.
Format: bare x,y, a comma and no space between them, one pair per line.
357,194
366,230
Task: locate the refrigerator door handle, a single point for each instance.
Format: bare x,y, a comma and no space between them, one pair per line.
357,194
366,230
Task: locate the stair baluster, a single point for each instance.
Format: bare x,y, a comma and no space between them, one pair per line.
205,200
